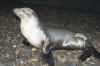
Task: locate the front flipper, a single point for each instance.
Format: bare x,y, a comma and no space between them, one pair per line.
46,52
26,43
47,46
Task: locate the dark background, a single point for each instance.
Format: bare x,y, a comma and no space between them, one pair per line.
84,5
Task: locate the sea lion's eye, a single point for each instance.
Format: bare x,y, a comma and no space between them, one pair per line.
24,11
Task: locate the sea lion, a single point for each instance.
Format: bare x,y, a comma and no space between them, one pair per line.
32,31
63,39
47,38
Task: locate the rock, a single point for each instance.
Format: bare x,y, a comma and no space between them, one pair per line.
7,55
14,46
68,63
32,60
34,49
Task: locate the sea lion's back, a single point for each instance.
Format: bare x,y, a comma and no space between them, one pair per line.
59,33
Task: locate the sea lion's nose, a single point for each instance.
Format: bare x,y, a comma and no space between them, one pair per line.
16,10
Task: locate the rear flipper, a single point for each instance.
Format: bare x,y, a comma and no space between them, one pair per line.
87,52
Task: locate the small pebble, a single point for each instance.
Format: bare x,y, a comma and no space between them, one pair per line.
44,65
22,62
68,63
32,60
14,46
17,52
14,64
7,55
34,49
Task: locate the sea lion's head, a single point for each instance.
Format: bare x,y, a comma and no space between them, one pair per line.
24,12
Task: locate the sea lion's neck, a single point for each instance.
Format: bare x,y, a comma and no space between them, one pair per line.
32,32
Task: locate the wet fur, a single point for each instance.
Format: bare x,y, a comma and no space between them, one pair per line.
57,37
